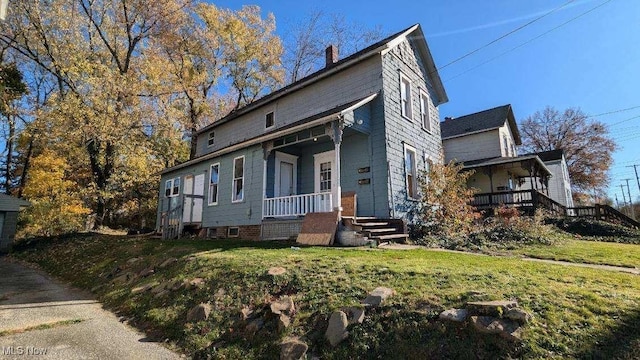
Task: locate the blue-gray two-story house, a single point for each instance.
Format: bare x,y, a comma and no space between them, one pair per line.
360,128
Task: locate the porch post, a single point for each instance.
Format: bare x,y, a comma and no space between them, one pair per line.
267,147
336,134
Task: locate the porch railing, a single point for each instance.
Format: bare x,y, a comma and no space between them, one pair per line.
297,205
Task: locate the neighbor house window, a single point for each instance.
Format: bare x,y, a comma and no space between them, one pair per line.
424,111
214,178
269,120
405,97
172,187
212,138
411,171
238,179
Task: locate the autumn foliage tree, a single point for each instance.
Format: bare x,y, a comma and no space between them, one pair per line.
444,204
126,81
56,203
586,142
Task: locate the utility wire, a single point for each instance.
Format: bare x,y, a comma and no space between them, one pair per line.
529,41
505,35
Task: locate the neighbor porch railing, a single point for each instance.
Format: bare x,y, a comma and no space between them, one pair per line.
297,205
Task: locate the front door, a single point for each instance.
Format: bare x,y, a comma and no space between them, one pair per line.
324,175
286,178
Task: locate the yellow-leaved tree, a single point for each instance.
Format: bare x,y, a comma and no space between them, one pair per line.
56,205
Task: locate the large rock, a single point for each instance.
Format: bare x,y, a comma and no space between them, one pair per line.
337,329
196,283
123,279
495,308
199,312
147,272
378,296
455,315
518,315
283,322
276,270
283,305
508,329
355,315
141,289
293,349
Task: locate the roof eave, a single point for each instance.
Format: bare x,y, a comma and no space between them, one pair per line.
432,70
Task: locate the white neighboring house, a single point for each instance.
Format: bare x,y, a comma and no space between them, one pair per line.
559,184
486,142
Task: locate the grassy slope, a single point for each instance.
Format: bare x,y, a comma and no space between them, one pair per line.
578,312
583,251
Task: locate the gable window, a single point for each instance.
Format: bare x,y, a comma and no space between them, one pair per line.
238,179
424,111
269,120
172,187
214,178
211,139
405,97
411,172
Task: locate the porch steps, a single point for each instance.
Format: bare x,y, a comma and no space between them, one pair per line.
378,230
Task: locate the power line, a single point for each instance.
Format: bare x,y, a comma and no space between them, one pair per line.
505,35
529,41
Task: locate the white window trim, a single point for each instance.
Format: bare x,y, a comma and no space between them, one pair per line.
327,156
265,119
425,111
280,157
209,138
209,202
233,183
414,171
403,79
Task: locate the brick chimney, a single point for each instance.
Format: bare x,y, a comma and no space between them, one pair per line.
331,55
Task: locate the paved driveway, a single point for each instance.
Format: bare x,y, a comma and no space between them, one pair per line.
72,323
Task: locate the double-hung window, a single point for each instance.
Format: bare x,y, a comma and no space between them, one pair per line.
214,179
405,97
269,120
424,111
212,139
172,187
238,179
411,172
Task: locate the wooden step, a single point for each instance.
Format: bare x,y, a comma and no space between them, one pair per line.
372,224
380,230
389,237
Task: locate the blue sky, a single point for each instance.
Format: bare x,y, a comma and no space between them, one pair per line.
592,62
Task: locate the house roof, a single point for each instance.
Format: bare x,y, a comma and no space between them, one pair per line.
413,33
479,122
551,155
11,204
299,125
474,164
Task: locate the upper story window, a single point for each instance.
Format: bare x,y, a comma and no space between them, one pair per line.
238,179
506,145
269,120
172,187
411,172
424,111
214,179
405,97
211,139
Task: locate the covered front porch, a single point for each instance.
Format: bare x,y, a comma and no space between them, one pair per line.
302,172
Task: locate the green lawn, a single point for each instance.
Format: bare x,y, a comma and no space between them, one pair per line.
578,312
582,251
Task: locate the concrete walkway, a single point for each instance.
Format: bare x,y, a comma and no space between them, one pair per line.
73,324
628,270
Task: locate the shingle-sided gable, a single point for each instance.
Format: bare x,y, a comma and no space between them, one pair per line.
481,121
